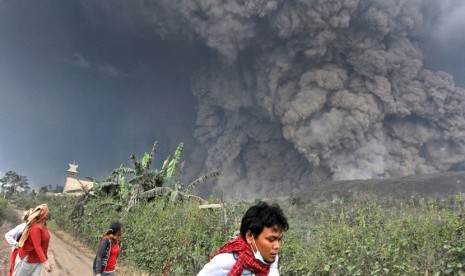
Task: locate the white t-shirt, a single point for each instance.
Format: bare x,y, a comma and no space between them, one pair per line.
222,263
12,235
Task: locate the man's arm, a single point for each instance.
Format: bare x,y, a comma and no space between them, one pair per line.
210,269
218,266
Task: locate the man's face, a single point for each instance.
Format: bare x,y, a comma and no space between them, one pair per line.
268,243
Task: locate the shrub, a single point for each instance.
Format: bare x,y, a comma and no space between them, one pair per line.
346,236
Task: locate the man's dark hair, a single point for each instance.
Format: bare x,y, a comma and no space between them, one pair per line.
263,215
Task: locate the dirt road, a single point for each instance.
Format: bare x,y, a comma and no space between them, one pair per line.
64,257
66,260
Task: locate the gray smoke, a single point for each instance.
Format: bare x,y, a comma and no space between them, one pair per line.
302,91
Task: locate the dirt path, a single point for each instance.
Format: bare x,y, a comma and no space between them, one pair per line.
66,260
64,257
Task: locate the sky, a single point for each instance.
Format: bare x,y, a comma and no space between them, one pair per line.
73,91
93,82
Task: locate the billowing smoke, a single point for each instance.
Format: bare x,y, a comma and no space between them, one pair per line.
302,91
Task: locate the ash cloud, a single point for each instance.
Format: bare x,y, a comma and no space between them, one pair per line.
303,91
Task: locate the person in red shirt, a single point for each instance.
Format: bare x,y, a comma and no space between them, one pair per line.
13,236
105,260
33,245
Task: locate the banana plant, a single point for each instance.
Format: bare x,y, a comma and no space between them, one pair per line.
78,210
176,192
141,183
119,186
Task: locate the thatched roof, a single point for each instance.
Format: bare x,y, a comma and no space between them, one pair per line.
74,185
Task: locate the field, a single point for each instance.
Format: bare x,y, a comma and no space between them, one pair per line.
346,229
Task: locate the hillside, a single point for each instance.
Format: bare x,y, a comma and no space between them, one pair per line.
425,185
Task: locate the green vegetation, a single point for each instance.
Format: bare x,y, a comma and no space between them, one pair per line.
131,185
346,236
165,234
5,214
371,237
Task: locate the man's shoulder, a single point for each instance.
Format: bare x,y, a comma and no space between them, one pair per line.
224,259
221,264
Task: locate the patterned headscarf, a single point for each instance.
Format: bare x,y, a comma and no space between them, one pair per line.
38,215
246,258
26,214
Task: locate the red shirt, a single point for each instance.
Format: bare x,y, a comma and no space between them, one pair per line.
114,252
36,244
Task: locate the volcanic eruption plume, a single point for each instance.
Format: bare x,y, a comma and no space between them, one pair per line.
302,91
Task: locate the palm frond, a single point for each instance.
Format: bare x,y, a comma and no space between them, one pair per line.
145,161
176,196
105,184
142,179
105,205
148,160
197,199
169,183
156,192
136,164
175,160
164,168
125,188
122,170
202,179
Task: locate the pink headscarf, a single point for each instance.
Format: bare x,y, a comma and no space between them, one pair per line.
38,215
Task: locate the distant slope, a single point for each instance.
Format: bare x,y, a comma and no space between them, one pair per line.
425,185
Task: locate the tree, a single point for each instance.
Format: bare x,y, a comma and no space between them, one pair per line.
140,182
55,189
14,184
43,190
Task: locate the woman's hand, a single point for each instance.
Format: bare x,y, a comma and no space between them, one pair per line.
46,266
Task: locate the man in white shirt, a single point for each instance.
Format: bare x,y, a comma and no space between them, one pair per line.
255,251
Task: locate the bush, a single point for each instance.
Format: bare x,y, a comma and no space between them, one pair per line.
3,211
346,236
171,238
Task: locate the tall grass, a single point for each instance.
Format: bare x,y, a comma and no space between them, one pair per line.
345,236
369,237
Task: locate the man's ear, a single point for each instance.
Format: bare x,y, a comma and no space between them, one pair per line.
248,236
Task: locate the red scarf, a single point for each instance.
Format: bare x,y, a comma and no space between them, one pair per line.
246,258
